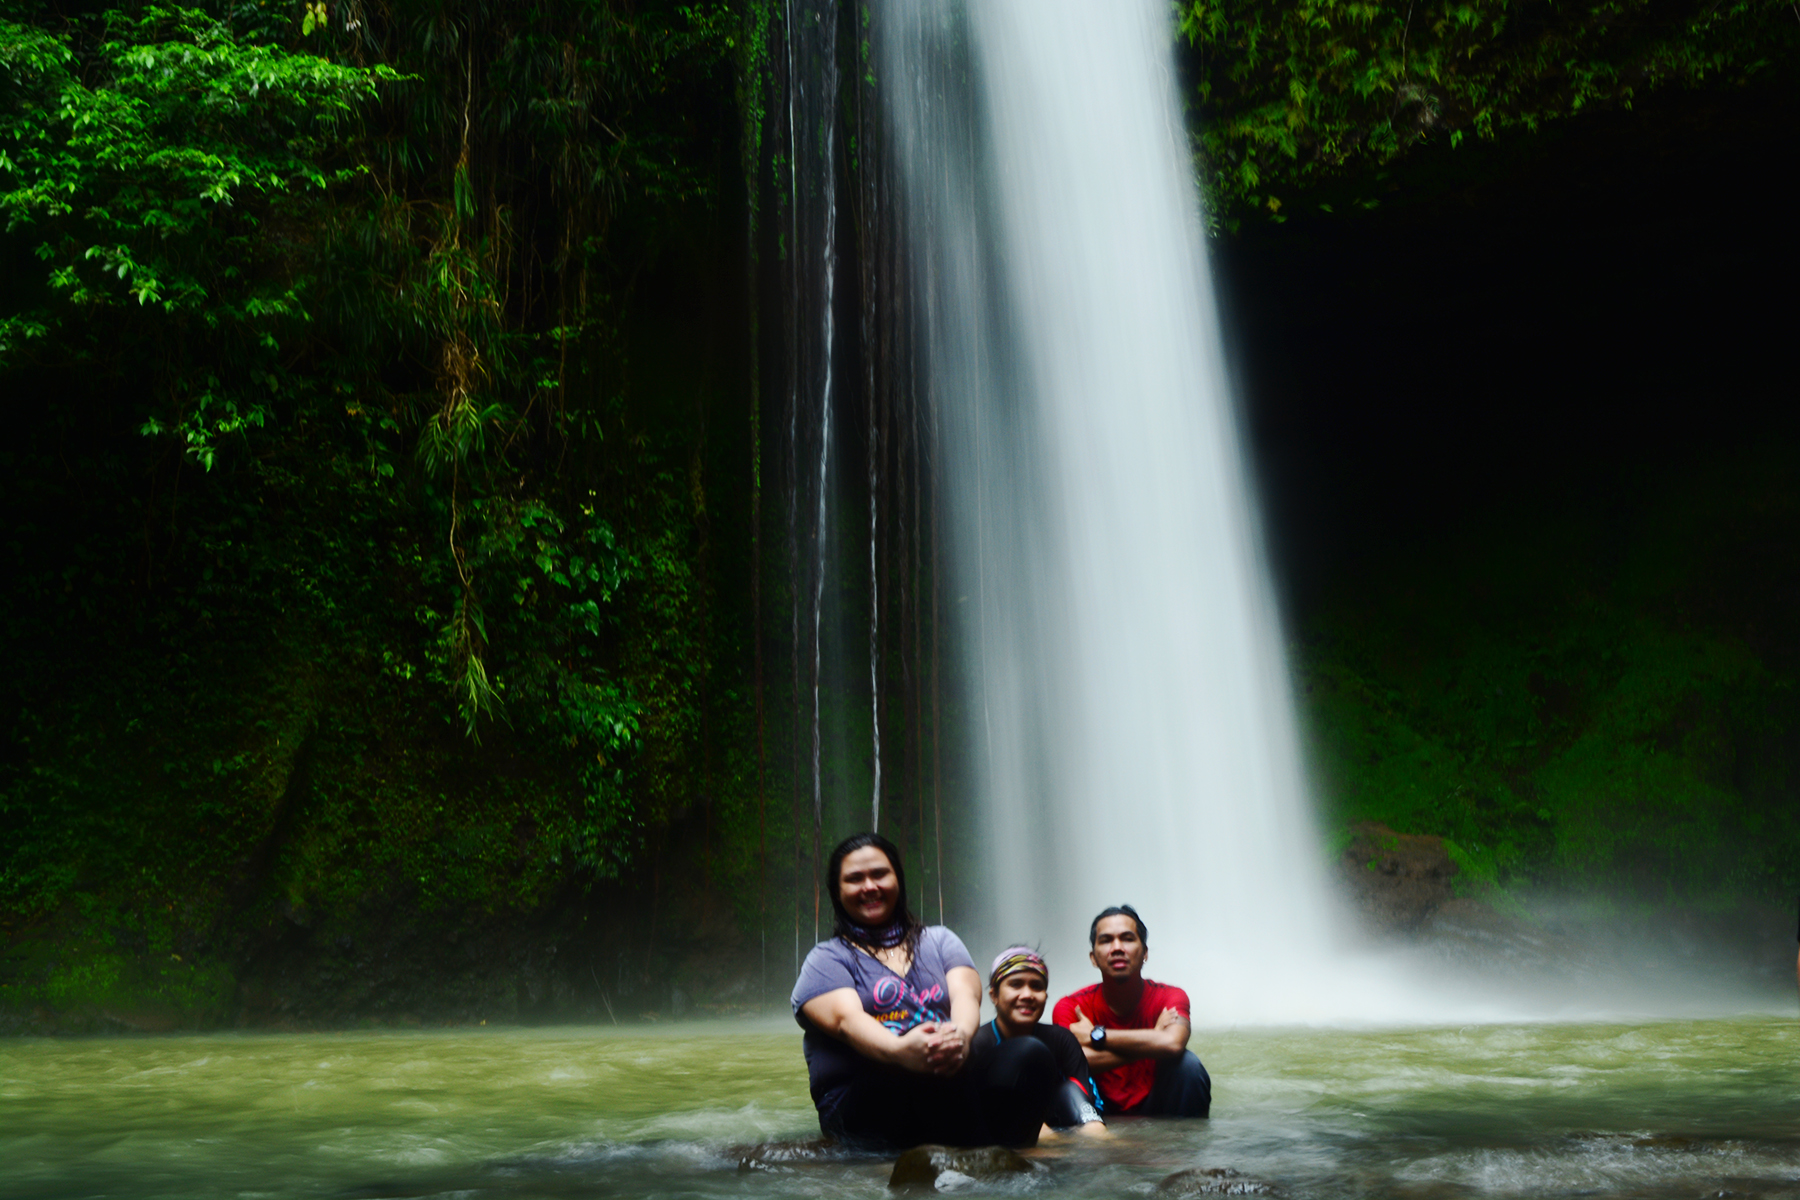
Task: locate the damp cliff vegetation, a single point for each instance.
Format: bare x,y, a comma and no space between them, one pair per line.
1593,711
1312,103
381,460
358,493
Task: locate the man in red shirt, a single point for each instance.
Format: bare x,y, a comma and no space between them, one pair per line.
1133,1030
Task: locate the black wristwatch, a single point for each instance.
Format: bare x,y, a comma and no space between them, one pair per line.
1097,1038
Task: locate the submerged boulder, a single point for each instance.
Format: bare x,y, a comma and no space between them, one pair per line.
763,1156
1214,1181
947,1168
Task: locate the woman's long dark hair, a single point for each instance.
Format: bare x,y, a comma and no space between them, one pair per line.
870,939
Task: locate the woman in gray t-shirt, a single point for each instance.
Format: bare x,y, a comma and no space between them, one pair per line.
889,1005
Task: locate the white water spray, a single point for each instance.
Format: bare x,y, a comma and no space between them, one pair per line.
1138,737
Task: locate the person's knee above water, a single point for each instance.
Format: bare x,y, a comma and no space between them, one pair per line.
1019,985
889,1005
1133,1030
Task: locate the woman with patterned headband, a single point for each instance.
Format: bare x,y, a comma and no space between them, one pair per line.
889,1005
1019,985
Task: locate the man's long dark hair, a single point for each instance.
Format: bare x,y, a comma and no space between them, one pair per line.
850,931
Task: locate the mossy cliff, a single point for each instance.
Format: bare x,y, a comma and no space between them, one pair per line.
1598,710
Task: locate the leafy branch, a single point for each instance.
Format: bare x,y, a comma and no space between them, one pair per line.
1290,96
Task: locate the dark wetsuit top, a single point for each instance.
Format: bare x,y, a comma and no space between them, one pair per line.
1080,1102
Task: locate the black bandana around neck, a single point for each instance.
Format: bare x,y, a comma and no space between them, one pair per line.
884,939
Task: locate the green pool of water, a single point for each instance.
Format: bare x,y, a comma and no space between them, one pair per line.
1667,1109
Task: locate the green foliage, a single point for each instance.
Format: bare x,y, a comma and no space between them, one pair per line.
167,171
561,610
362,279
1294,95
1570,725
122,962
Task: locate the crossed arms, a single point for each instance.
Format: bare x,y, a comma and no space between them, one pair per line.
1166,1039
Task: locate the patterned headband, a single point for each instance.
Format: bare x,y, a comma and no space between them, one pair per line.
1014,959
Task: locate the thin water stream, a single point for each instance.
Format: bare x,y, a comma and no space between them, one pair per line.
1678,1109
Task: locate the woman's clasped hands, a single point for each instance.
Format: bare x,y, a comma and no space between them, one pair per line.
932,1048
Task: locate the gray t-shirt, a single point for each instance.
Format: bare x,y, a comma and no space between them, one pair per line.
900,1004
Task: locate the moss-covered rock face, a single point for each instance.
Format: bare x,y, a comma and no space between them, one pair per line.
1607,710
279,832
1396,881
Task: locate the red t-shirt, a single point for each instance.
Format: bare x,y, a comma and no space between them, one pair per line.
1124,1087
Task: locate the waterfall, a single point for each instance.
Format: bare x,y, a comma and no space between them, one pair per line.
1129,705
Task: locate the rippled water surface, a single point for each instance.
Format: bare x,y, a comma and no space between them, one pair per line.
1670,1109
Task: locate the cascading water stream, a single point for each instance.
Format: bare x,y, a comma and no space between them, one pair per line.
874,593
829,268
811,254
792,457
870,223
1129,682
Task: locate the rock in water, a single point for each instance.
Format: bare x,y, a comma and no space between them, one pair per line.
1396,879
945,1168
764,1156
1213,1181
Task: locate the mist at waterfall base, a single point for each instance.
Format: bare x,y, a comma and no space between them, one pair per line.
1132,732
